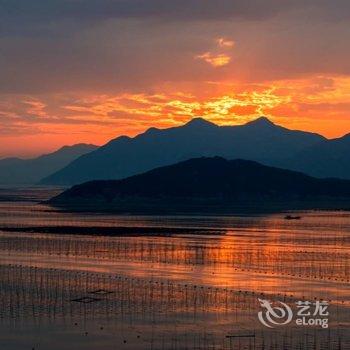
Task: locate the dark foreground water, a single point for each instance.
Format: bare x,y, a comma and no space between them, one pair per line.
169,291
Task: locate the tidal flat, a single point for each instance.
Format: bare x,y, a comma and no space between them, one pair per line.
180,286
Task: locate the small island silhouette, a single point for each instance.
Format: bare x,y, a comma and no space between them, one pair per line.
207,184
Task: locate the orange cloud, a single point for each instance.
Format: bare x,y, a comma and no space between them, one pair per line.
216,60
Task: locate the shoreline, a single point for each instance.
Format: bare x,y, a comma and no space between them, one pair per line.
117,231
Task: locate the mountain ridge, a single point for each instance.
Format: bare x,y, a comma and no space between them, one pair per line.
330,158
260,140
18,171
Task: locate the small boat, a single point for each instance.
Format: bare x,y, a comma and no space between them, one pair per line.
291,217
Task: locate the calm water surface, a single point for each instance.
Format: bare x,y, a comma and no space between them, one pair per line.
175,291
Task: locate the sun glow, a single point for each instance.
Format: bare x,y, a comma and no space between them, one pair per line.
318,103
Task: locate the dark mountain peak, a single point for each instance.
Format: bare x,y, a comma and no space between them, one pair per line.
151,130
345,137
260,140
77,146
262,121
199,122
340,143
17,171
193,125
68,150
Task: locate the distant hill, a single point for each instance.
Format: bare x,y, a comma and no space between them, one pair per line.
329,158
260,140
16,171
203,182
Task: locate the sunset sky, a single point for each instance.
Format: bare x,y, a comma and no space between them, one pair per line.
89,70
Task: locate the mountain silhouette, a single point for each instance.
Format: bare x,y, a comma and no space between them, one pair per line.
329,158
16,171
259,140
204,182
